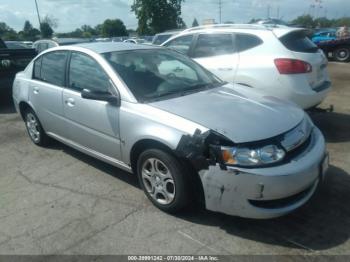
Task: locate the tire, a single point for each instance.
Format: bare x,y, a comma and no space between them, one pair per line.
34,128
163,179
342,54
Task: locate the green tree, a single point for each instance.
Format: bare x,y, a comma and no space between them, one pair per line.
305,21
29,32
323,22
7,33
342,21
157,16
111,28
46,30
47,25
195,23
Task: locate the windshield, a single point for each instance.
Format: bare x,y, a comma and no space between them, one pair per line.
157,74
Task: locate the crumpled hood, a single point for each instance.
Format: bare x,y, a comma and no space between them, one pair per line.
239,113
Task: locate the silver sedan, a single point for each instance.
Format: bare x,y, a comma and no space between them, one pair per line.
185,133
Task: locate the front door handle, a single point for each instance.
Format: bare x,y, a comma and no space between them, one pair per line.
70,102
36,90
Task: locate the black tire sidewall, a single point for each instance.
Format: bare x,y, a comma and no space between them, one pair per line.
339,59
42,139
179,174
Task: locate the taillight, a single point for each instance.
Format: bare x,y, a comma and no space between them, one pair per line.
292,66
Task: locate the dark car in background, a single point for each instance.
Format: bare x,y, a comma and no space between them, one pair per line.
12,60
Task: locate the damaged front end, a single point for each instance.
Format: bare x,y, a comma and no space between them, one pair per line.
203,149
263,190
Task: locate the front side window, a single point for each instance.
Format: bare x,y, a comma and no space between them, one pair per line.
157,74
86,73
52,69
181,44
213,45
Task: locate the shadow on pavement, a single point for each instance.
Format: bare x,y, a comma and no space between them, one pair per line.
6,102
323,223
98,164
334,126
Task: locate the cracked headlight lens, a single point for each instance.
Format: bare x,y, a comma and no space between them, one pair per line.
244,156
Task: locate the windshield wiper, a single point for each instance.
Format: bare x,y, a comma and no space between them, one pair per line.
191,89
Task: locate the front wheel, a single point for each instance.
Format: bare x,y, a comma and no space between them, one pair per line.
342,54
163,180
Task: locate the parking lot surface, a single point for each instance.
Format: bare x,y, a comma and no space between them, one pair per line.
59,201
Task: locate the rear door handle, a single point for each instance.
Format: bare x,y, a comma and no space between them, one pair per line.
225,69
70,102
36,90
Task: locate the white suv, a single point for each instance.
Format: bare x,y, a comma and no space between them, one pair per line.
278,61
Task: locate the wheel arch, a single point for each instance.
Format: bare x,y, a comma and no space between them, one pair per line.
23,106
149,143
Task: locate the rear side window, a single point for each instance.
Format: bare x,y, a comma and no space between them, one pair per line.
213,45
245,42
298,42
37,68
86,73
52,68
181,44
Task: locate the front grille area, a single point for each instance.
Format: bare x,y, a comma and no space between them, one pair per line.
296,141
282,202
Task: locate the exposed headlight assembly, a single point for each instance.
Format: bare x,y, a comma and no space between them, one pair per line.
249,157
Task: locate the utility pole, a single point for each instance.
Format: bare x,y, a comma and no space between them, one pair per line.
220,6
37,11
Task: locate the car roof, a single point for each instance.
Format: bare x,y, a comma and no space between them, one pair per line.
105,47
278,30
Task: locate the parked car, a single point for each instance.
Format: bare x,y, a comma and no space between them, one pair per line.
12,60
160,38
15,45
337,49
278,61
135,41
44,44
271,22
324,35
157,113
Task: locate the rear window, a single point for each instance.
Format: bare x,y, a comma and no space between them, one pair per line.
299,42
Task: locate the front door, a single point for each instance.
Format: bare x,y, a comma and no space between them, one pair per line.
92,124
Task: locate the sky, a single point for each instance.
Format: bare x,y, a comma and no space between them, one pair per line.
71,14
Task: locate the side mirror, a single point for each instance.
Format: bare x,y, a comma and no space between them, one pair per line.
101,96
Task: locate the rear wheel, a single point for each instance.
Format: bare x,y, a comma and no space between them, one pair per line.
34,128
342,54
163,180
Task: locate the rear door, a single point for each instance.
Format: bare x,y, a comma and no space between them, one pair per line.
46,88
215,51
92,124
303,48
